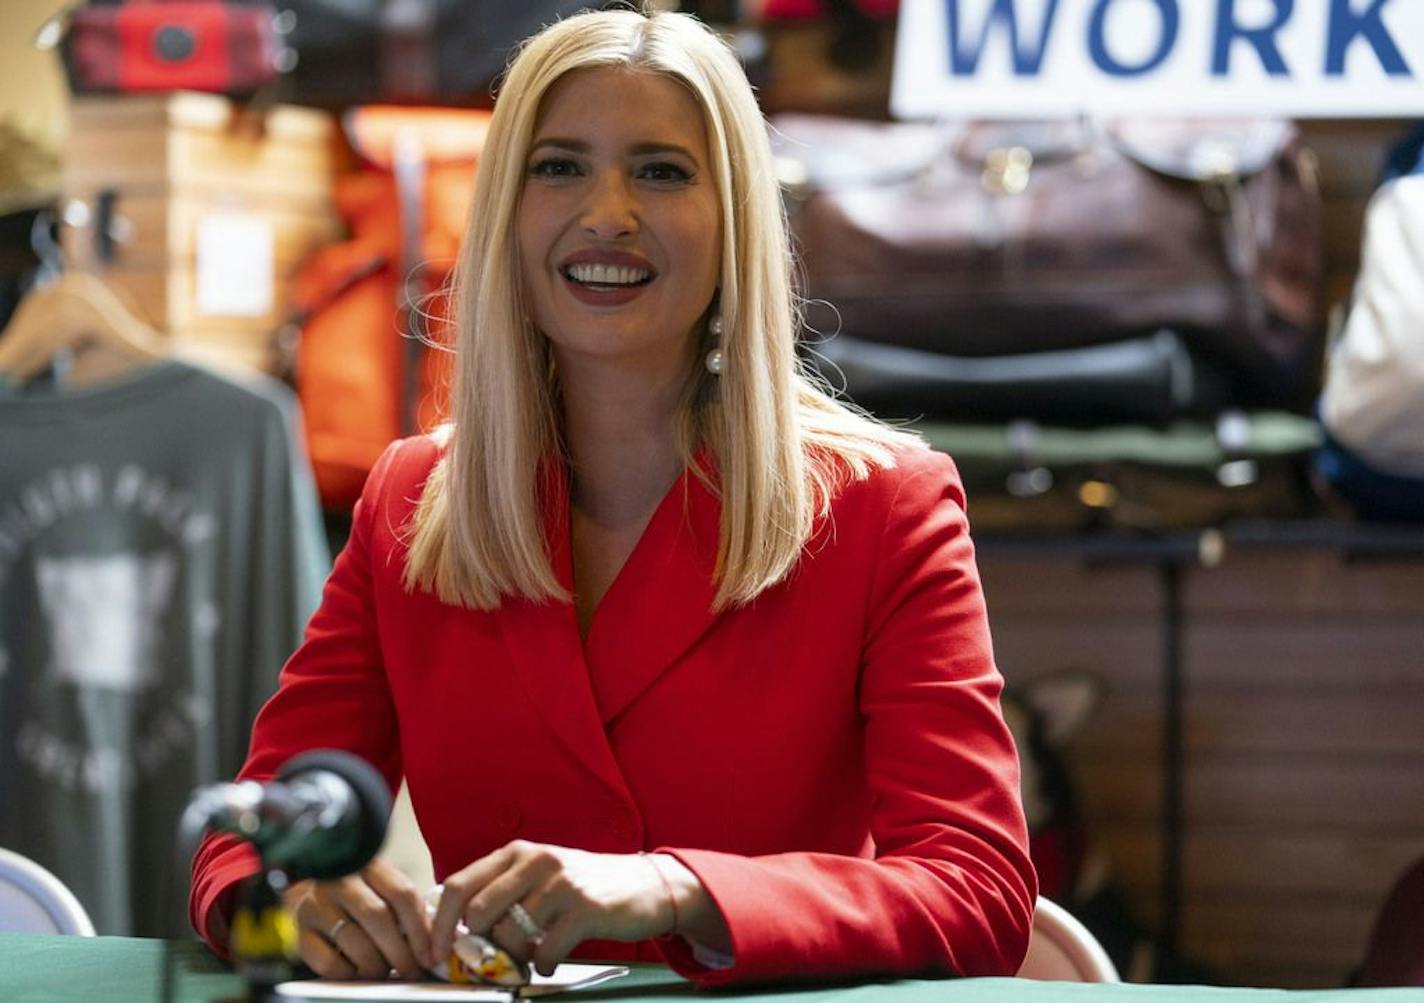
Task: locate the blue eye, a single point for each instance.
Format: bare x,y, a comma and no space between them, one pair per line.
664,171
554,167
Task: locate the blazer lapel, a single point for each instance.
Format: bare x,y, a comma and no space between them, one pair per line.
660,604
543,642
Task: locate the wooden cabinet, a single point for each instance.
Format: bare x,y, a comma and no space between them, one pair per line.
213,210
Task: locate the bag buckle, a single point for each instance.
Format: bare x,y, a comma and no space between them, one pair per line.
1007,170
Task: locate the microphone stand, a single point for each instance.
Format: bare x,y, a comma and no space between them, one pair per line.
347,801
264,935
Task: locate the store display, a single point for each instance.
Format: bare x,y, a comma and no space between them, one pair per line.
986,239
160,540
1074,311
160,551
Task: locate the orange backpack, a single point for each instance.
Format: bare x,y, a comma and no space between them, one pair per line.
362,374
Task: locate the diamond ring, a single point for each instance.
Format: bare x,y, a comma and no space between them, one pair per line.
532,930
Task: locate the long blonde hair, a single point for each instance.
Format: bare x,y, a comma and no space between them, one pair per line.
783,446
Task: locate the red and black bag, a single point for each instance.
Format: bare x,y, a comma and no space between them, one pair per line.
198,45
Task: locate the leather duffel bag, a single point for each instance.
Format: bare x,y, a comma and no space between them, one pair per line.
983,239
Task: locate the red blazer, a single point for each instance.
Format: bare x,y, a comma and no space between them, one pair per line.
830,760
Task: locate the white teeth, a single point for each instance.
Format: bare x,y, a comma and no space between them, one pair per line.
606,275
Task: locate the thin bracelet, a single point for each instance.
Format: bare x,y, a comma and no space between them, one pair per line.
667,886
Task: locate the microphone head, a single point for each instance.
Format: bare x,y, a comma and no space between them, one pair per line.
351,849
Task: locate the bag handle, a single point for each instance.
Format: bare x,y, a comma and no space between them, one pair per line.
1201,151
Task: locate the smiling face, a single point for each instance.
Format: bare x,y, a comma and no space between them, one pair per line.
619,223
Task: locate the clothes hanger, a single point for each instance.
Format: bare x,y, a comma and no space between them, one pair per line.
74,323
76,314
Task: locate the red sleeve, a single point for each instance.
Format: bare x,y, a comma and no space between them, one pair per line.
332,694
950,889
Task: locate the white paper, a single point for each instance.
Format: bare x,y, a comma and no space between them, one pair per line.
235,267
321,989
570,976
565,978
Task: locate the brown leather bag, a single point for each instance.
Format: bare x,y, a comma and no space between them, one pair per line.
983,239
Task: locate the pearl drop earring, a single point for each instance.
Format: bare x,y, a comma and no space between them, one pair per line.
713,362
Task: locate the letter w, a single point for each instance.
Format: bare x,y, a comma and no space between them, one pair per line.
965,63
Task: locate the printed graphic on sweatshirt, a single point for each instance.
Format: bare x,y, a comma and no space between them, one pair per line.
42,506
103,616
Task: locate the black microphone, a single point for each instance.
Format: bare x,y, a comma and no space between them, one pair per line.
324,816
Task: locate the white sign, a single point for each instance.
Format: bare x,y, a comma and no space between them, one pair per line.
235,266
1039,58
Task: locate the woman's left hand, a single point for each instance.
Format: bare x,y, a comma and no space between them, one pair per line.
570,895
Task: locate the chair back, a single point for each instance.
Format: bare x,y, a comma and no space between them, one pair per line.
1061,949
32,900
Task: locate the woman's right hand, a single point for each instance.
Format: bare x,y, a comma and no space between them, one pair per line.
362,926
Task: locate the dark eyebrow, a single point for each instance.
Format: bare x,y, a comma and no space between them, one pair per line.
637,149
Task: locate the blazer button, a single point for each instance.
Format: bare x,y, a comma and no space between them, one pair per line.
507,816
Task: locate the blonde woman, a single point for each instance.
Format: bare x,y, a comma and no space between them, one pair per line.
681,659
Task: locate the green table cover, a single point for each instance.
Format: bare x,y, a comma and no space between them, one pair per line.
52,969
